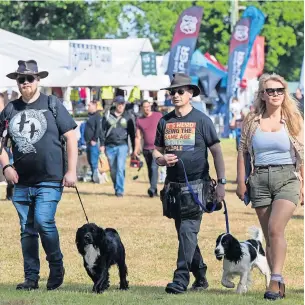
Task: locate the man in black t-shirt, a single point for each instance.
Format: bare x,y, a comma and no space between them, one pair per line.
35,127
182,139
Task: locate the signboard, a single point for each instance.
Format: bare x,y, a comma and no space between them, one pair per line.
148,63
82,56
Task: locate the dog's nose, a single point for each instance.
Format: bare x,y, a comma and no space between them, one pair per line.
216,251
87,236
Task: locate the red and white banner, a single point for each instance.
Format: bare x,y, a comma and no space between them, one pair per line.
255,65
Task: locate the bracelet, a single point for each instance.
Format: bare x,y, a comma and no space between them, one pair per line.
5,167
157,161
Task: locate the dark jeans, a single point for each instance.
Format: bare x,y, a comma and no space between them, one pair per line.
152,169
92,156
189,256
36,207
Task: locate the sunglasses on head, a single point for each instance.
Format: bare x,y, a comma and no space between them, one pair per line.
271,91
26,78
180,92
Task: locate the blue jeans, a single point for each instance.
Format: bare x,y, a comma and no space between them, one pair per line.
117,160
93,153
36,207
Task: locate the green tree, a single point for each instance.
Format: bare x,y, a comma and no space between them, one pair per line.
46,19
284,36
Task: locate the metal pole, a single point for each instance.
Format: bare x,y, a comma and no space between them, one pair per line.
234,13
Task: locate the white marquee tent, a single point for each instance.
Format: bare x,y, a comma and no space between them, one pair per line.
53,56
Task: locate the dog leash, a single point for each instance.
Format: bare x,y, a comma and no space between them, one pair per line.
226,216
195,197
81,204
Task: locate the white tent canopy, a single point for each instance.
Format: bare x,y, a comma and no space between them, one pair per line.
17,47
53,56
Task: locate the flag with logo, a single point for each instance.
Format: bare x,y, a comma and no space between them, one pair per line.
241,43
184,40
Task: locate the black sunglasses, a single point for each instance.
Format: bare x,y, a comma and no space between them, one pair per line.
180,92
28,78
271,91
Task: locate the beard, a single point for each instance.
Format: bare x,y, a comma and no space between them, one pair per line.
28,92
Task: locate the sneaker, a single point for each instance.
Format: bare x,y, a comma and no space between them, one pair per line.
119,195
200,284
151,193
175,288
56,278
27,285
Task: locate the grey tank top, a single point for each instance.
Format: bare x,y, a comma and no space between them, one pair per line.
272,148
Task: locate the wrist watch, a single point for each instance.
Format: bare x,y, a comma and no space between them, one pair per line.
222,181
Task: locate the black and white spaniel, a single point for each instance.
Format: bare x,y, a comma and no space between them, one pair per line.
240,258
100,250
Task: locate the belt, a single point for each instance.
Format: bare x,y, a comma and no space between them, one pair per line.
272,165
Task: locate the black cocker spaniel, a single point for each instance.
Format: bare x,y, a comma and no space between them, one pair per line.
100,250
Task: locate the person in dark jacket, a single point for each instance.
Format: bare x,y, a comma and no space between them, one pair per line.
117,125
92,134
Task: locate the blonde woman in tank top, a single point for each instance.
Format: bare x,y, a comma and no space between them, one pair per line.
273,138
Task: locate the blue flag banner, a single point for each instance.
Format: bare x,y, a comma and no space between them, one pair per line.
241,43
257,22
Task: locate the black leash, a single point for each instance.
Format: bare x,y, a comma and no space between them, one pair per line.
82,204
226,216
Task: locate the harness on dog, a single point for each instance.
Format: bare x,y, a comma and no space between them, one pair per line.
203,207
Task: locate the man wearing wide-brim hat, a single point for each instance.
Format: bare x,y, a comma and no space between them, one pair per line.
182,139
36,124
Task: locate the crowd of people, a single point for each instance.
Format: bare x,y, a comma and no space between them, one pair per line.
271,141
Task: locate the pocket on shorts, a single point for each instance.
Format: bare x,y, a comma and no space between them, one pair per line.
254,186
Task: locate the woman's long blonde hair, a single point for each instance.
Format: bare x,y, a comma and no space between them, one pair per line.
290,106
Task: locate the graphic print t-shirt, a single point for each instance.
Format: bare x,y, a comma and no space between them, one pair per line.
188,138
35,135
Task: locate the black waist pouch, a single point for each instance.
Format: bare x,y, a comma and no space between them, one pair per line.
189,208
168,200
178,202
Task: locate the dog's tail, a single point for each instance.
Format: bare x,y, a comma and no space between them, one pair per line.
256,233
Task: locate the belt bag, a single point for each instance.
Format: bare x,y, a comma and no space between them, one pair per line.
179,202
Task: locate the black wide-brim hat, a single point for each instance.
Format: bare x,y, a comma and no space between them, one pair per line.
182,80
28,67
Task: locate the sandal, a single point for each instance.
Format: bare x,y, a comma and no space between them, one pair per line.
276,291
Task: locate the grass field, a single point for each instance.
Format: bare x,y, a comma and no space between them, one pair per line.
151,246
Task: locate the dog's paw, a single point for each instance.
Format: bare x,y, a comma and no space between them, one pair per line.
241,289
227,284
124,286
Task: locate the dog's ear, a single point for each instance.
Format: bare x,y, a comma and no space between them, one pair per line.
101,238
79,241
233,250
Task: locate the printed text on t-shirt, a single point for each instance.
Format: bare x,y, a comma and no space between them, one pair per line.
180,136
